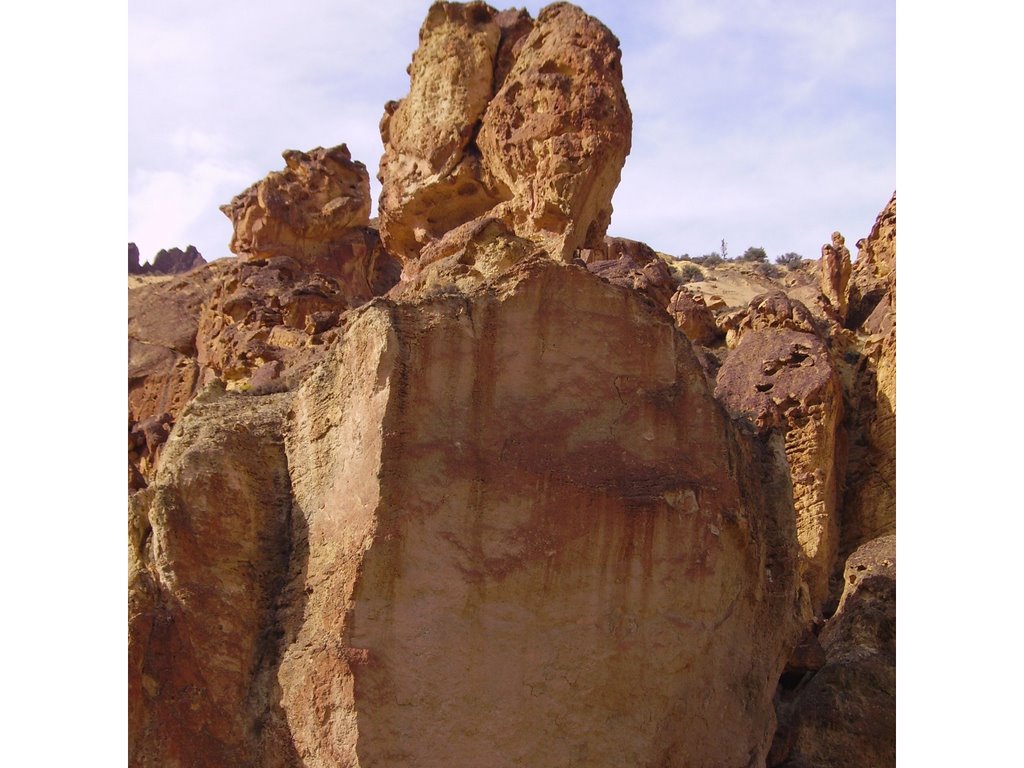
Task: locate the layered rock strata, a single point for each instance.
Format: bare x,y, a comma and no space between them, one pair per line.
541,535
521,121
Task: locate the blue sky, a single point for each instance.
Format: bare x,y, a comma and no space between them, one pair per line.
765,123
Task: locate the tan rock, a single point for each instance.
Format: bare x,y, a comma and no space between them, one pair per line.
835,274
209,549
307,211
870,503
694,318
784,379
516,539
541,152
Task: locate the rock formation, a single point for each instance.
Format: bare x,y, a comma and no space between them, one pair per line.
843,714
527,502
694,318
835,274
261,321
472,519
783,379
166,262
632,264
315,211
870,504
524,122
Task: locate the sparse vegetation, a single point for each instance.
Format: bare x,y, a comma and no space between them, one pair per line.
754,254
790,260
708,260
764,269
690,273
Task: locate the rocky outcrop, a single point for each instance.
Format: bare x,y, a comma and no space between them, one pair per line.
694,318
133,260
487,504
163,372
843,715
870,502
835,274
520,121
873,281
261,321
767,310
209,551
315,211
167,262
504,508
785,380
632,264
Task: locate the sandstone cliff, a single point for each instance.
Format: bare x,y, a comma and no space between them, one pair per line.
488,487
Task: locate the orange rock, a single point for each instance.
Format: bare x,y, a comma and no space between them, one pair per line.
308,211
492,530
835,274
524,122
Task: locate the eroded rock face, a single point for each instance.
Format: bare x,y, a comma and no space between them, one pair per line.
478,518
517,120
844,714
784,379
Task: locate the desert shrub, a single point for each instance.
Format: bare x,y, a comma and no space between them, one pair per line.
271,387
690,273
709,260
684,257
754,254
764,269
790,260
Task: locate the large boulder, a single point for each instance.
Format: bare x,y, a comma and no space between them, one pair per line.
314,211
488,519
506,118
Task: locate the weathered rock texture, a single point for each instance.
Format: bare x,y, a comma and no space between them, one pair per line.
315,211
783,379
521,121
870,504
497,556
262,321
634,265
843,715
491,513
694,318
835,274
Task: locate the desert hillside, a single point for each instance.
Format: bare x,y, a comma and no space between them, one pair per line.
477,482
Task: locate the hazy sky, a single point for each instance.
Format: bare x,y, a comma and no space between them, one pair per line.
765,123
